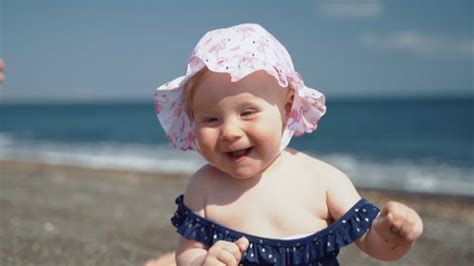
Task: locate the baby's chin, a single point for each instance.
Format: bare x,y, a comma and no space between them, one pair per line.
239,174
248,172
242,174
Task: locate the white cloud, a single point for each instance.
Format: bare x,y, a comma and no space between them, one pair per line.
420,43
352,9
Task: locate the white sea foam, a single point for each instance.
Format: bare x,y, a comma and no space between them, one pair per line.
116,156
405,175
5,139
414,176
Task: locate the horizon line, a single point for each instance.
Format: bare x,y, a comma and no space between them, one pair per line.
348,98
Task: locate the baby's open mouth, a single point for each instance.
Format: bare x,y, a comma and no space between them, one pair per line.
235,155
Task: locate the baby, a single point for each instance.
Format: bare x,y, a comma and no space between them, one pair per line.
257,202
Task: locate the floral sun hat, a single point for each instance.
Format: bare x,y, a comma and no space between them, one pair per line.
239,51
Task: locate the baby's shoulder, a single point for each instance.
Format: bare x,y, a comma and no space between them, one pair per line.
316,167
340,192
320,173
198,188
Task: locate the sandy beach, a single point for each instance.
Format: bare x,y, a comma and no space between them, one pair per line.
63,215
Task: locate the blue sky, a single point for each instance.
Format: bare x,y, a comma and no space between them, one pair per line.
104,50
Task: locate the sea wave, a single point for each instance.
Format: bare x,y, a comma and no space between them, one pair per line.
421,175
101,155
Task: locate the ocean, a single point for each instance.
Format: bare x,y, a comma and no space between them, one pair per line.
415,145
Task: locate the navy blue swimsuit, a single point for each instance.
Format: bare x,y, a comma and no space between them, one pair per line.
320,248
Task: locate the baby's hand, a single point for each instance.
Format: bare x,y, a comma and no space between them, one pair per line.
398,222
226,253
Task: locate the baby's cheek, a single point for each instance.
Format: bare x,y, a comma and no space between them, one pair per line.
205,134
270,136
270,129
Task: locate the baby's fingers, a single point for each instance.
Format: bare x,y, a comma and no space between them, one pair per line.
390,221
382,226
398,221
412,226
242,243
226,257
226,252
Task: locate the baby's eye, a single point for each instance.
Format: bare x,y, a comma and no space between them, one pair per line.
248,113
208,120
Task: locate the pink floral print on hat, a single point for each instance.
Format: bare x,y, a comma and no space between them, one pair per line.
239,51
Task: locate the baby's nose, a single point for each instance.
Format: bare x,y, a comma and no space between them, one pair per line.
231,131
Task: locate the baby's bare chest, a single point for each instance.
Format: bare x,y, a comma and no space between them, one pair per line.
274,214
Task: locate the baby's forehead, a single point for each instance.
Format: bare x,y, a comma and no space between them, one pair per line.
238,94
257,80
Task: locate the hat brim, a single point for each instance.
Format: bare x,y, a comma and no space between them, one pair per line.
307,108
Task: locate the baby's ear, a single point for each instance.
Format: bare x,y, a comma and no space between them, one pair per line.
290,96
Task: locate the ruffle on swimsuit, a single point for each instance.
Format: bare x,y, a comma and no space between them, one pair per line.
320,248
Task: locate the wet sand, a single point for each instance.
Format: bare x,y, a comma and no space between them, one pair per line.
60,215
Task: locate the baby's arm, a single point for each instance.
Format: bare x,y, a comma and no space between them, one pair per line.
393,232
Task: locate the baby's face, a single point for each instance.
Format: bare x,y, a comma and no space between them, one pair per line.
239,125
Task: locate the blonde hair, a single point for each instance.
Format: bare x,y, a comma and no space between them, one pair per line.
190,89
